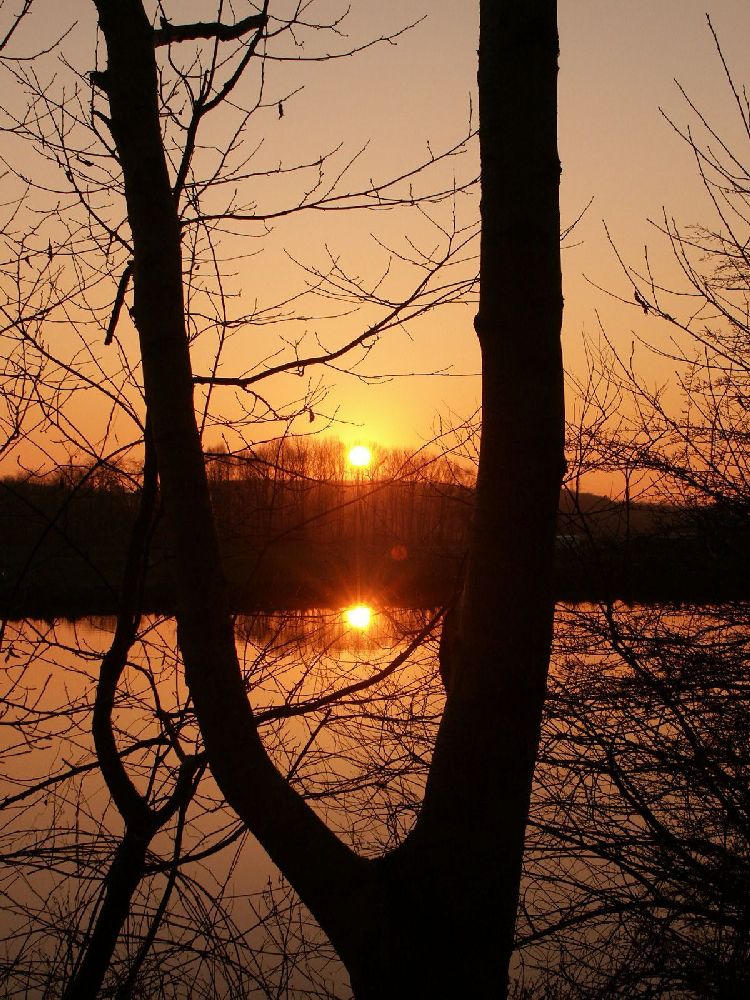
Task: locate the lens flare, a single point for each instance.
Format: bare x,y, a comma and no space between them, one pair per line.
359,456
358,617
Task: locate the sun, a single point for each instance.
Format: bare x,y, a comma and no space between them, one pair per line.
358,616
359,456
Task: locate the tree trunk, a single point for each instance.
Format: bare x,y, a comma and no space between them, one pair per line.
125,873
457,877
436,917
326,873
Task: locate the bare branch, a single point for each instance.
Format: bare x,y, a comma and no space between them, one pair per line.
168,33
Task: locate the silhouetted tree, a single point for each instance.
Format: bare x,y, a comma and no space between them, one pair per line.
635,880
437,914
434,912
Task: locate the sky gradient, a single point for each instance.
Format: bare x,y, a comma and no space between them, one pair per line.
398,101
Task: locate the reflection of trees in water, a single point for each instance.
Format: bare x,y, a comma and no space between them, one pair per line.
348,714
347,729
327,628
636,873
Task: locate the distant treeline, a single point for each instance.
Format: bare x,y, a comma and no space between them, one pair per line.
297,528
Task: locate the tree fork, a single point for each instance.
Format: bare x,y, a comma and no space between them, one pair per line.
436,917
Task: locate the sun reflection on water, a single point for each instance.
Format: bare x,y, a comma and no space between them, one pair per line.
329,630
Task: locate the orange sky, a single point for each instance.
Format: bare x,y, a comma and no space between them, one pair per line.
618,61
617,68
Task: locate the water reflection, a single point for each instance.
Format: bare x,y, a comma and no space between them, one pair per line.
357,628
336,707
350,720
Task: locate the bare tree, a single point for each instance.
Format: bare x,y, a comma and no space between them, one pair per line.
434,912
437,914
635,879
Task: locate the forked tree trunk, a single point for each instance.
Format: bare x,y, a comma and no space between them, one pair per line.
453,886
436,917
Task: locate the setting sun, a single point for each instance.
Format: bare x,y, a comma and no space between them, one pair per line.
359,456
358,617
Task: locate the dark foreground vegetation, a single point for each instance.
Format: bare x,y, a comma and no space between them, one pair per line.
404,782
291,540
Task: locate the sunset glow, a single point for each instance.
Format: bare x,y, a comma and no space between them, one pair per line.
358,616
359,456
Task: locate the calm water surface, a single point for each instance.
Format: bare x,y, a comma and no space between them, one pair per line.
357,751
